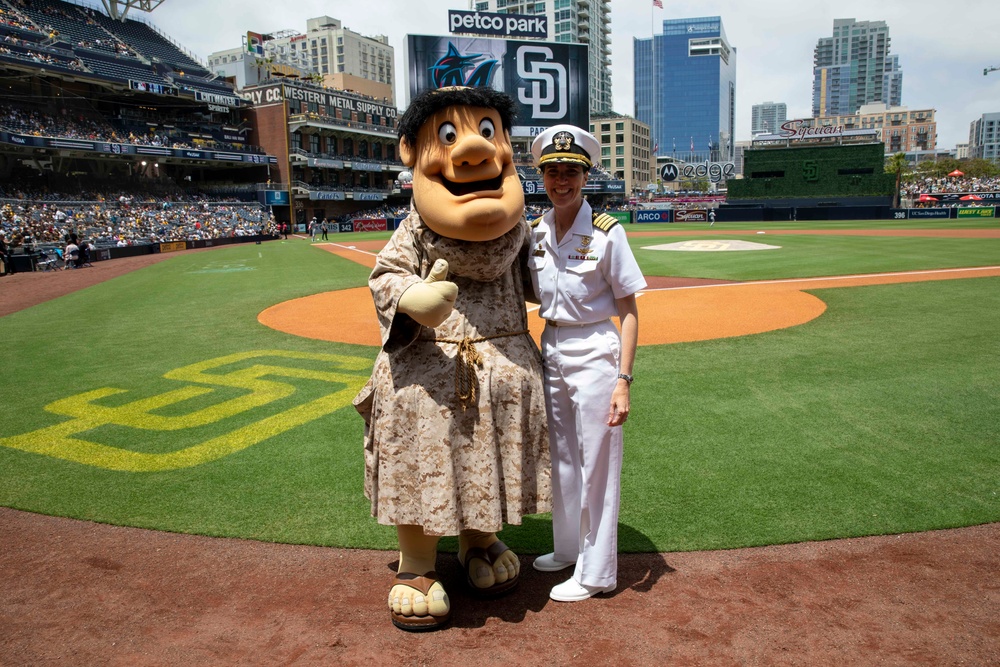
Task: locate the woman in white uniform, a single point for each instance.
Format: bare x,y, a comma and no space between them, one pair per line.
584,273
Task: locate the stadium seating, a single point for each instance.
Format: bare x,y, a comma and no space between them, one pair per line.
71,25
150,43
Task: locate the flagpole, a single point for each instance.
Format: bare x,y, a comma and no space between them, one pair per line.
652,59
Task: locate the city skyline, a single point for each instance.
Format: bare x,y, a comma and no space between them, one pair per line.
774,39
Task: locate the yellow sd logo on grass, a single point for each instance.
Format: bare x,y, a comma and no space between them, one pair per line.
58,441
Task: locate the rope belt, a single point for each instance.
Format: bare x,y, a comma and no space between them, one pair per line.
466,361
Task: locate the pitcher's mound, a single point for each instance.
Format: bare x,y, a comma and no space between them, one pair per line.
714,245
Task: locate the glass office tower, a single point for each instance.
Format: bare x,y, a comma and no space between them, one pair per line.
687,92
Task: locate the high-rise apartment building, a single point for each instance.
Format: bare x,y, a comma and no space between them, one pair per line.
685,89
577,22
338,56
854,68
984,137
767,117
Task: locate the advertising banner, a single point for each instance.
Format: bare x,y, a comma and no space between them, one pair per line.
652,215
690,215
173,246
976,212
368,196
957,197
592,187
326,195
131,149
547,80
623,217
370,225
276,197
923,213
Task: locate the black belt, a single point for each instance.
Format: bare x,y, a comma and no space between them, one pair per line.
553,323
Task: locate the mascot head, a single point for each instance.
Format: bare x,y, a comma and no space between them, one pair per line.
457,143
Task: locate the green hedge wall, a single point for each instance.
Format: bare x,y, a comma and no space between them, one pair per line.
813,171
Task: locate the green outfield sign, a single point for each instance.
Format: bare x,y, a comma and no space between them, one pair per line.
977,212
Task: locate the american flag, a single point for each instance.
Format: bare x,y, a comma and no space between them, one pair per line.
658,3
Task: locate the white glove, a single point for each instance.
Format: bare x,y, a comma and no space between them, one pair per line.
430,302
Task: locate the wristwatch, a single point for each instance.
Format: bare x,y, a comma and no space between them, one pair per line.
625,376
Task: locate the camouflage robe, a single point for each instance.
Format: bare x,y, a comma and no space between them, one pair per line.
429,461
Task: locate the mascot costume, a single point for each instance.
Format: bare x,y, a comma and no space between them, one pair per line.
455,427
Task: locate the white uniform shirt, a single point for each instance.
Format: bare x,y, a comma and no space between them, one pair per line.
578,279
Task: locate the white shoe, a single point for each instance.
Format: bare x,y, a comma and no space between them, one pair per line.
548,563
571,591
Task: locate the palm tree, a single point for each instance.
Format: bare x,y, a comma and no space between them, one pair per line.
897,164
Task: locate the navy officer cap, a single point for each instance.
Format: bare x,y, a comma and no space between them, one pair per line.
565,144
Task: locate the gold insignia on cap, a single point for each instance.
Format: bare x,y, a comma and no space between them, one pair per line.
563,140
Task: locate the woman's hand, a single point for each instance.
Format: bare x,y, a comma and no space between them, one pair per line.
620,404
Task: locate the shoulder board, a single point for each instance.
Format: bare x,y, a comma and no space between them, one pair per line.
604,222
534,223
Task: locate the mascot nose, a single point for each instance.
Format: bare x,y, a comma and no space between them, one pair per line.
472,150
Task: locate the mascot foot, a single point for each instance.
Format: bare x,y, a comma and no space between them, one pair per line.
418,603
492,571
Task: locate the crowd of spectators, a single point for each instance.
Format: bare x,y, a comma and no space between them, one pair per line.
76,125
949,184
14,19
125,222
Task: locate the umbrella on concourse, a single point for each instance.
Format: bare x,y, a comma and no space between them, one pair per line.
971,198
957,173
927,197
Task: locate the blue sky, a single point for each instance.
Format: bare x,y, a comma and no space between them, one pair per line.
943,47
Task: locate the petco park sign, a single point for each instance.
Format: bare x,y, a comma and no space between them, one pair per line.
497,25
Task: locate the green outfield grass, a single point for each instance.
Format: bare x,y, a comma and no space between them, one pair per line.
880,416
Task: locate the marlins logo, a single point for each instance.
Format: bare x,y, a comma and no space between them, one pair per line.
450,68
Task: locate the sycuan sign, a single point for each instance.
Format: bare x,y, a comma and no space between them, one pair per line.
795,129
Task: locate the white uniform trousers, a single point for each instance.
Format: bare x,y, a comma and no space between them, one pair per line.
581,369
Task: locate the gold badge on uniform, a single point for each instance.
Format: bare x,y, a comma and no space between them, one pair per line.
584,245
538,252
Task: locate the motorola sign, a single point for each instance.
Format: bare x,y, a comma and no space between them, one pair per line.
670,172
714,171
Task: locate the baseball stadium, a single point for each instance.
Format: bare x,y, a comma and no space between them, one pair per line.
810,470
